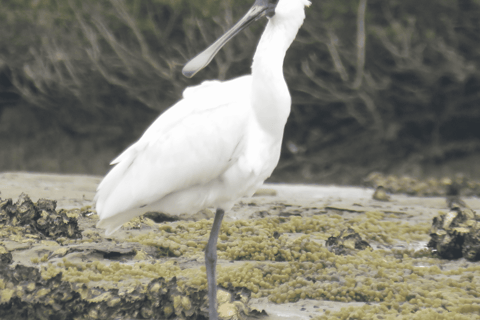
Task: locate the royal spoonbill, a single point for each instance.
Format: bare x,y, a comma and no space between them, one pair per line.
216,145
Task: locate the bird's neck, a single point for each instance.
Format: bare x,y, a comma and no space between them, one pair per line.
270,96
274,43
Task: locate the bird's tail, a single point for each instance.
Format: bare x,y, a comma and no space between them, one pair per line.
114,223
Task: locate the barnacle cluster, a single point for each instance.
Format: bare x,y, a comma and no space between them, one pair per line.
26,294
456,234
346,242
40,219
459,185
5,256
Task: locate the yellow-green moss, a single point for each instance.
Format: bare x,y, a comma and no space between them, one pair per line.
6,295
253,239
403,284
3,250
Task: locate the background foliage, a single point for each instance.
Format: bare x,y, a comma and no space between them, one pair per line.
376,85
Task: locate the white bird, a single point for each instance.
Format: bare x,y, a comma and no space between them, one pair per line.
216,145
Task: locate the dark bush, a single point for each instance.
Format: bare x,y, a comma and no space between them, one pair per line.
385,79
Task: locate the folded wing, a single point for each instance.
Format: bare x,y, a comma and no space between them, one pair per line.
190,144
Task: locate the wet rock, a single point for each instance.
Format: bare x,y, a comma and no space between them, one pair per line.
25,212
6,210
40,218
159,217
471,246
26,295
5,256
380,194
346,243
456,234
47,205
233,304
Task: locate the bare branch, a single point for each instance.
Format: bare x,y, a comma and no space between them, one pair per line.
332,48
331,44
130,21
119,49
370,104
360,43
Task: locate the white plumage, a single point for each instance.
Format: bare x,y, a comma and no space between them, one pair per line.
217,144
205,151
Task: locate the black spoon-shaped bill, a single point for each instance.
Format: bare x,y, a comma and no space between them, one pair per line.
259,9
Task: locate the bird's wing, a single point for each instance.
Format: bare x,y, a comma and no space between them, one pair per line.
203,87
196,99
191,143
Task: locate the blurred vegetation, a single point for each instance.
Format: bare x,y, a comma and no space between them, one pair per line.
372,82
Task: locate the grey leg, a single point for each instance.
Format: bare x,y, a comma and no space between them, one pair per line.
211,263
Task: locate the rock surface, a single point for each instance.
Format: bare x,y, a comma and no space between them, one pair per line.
273,258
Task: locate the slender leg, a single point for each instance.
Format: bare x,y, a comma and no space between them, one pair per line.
211,263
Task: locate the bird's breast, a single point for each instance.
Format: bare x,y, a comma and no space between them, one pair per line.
254,164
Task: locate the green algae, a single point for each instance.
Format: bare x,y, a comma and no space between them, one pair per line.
254,239
388,278
110,274
401,286
282,258
404,286
287,269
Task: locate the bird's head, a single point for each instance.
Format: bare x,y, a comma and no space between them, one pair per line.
289,8
261,8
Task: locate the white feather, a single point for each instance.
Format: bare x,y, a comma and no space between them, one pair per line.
197,154
217,144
